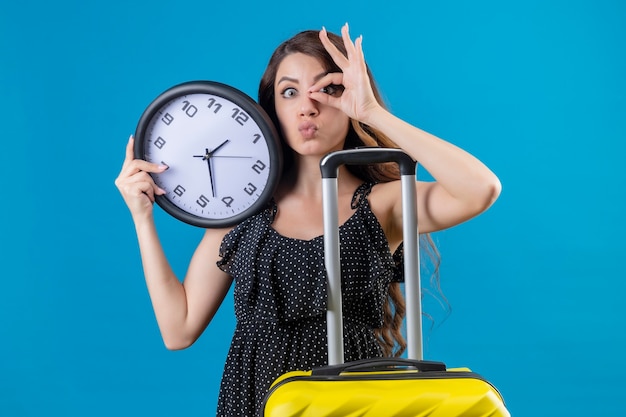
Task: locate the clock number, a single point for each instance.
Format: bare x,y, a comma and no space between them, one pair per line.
250,189
256,138
202,201
167,118
212,102
159,142
179,190
228,201
258,167
189,109
239,116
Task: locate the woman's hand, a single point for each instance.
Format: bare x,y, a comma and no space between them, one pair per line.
357,99
136,185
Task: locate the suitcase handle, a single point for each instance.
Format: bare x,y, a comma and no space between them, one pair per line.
329,166
364,156
368,365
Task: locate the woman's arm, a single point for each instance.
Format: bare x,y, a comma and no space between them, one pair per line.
463,186
183,310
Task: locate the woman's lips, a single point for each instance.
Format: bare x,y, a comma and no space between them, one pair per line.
307,130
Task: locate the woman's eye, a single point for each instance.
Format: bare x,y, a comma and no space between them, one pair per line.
289,92
331,89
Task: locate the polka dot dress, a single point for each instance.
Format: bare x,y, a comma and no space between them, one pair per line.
280,301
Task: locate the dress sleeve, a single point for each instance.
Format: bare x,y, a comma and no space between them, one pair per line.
228,249
233,240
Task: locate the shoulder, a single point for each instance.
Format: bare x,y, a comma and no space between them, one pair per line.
384,195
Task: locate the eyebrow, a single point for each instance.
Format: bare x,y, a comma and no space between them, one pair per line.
294,80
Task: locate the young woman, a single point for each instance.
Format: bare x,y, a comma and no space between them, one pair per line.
320,94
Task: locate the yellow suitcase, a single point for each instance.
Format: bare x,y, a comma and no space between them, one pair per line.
381,386
364,389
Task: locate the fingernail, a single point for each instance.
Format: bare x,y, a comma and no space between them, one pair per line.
164,167
131,137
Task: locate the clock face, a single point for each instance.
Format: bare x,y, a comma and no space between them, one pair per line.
222,150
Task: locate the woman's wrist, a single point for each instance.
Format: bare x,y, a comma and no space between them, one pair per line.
377,117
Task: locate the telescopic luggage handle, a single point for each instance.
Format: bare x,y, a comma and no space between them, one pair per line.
329,167
364,156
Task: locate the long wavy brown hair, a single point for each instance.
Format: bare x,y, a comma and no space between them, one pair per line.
389,336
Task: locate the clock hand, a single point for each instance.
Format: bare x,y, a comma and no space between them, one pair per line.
210,154
207,157
208,160
231,156
211,176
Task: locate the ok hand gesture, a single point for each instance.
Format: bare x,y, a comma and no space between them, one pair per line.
358,99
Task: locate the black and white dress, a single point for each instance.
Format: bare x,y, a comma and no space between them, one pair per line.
280,300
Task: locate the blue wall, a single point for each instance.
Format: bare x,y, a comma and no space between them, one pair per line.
535,88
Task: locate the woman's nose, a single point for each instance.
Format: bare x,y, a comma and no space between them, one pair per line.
308,107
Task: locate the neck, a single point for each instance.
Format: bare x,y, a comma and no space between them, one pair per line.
304,178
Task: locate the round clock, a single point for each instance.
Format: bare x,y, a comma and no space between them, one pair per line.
222,150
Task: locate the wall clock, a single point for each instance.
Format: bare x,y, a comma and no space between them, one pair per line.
222,149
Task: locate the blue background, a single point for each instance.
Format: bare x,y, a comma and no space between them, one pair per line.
535,88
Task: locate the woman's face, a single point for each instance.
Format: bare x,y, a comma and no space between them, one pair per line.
309,127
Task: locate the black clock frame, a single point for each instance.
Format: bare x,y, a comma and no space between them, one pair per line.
248,105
